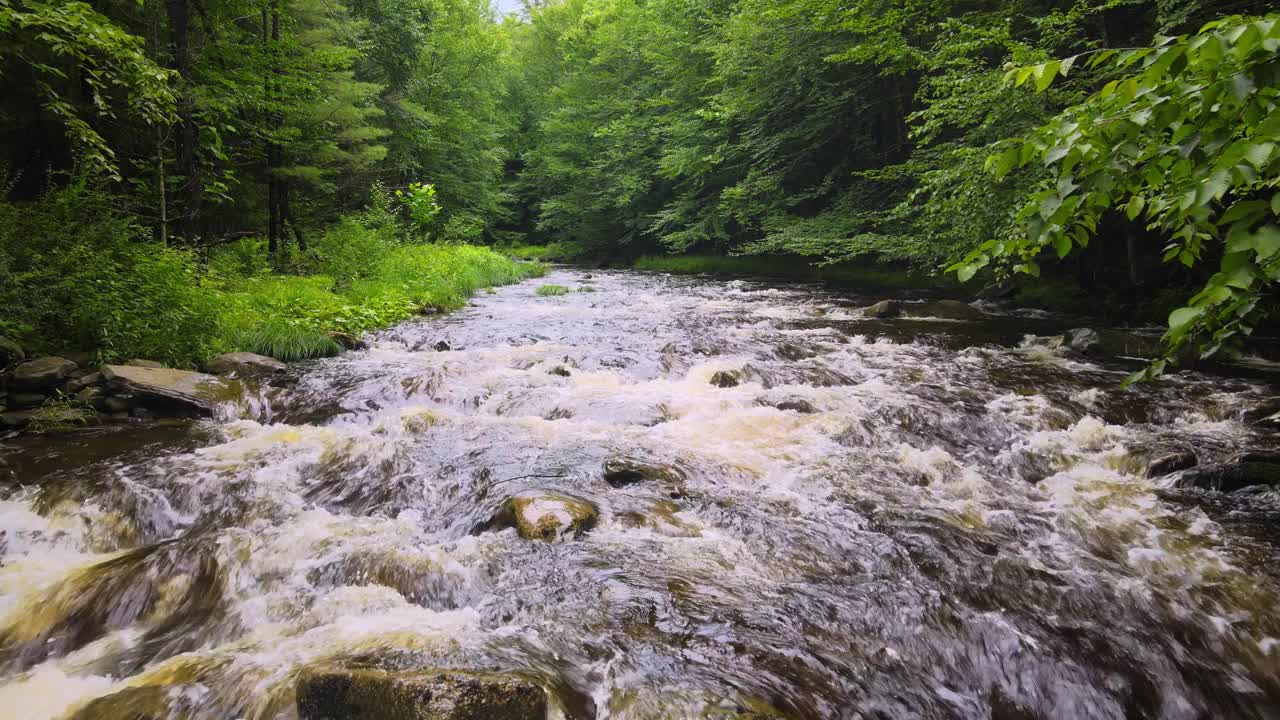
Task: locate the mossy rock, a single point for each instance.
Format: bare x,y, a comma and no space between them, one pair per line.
545,516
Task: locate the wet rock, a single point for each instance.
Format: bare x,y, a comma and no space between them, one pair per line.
75,385
1231,476
41,373
10,352
118,403
949,310
1266,413
795,404
1098,343
725,378
428,310
16,419
442,346
244,364
139,362
1171,462
347,341
92,397
662,519
883,309
370,694
545,516
26,400
142,413
669,349
166,388
621,472
793,352
560,370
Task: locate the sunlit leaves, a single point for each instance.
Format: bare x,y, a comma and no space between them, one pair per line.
1186,142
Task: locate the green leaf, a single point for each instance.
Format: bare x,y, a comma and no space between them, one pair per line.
1181,318
1134,207
1045,74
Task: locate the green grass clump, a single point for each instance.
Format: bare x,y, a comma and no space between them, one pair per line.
586,288
60,415
287,342
552,290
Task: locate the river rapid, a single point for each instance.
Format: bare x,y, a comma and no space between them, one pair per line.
961,527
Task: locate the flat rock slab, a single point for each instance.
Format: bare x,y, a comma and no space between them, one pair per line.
244,364
182,389
340,694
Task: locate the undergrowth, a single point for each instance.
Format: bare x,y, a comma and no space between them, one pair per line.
75,274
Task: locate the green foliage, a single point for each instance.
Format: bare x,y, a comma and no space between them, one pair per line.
1185,142
848,274
419,202
78,275
74,51
552,290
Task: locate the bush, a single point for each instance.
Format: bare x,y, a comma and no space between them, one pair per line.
552,290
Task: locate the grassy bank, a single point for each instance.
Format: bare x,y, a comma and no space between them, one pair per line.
76,275
795,269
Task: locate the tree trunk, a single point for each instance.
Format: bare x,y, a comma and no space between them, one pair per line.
192,191
1132,255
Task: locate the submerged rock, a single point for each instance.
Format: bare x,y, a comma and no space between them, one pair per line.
244,364
883,309
621,472
725,378
1265,413
793,403
41,373
545,516
183,390
560,370
338,694
1171,462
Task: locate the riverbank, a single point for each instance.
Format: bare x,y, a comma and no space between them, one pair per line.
88,291
94,284
1051,293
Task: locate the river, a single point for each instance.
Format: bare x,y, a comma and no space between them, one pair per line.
944,520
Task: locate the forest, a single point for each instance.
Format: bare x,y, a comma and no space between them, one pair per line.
186,177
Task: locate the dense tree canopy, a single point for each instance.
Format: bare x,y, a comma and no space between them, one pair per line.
1112,143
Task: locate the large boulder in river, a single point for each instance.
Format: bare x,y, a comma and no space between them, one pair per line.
1111,343
167,388
244,364
370,694
883,309
41,374
948,310
546,516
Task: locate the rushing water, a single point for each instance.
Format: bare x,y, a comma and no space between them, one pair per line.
962,529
